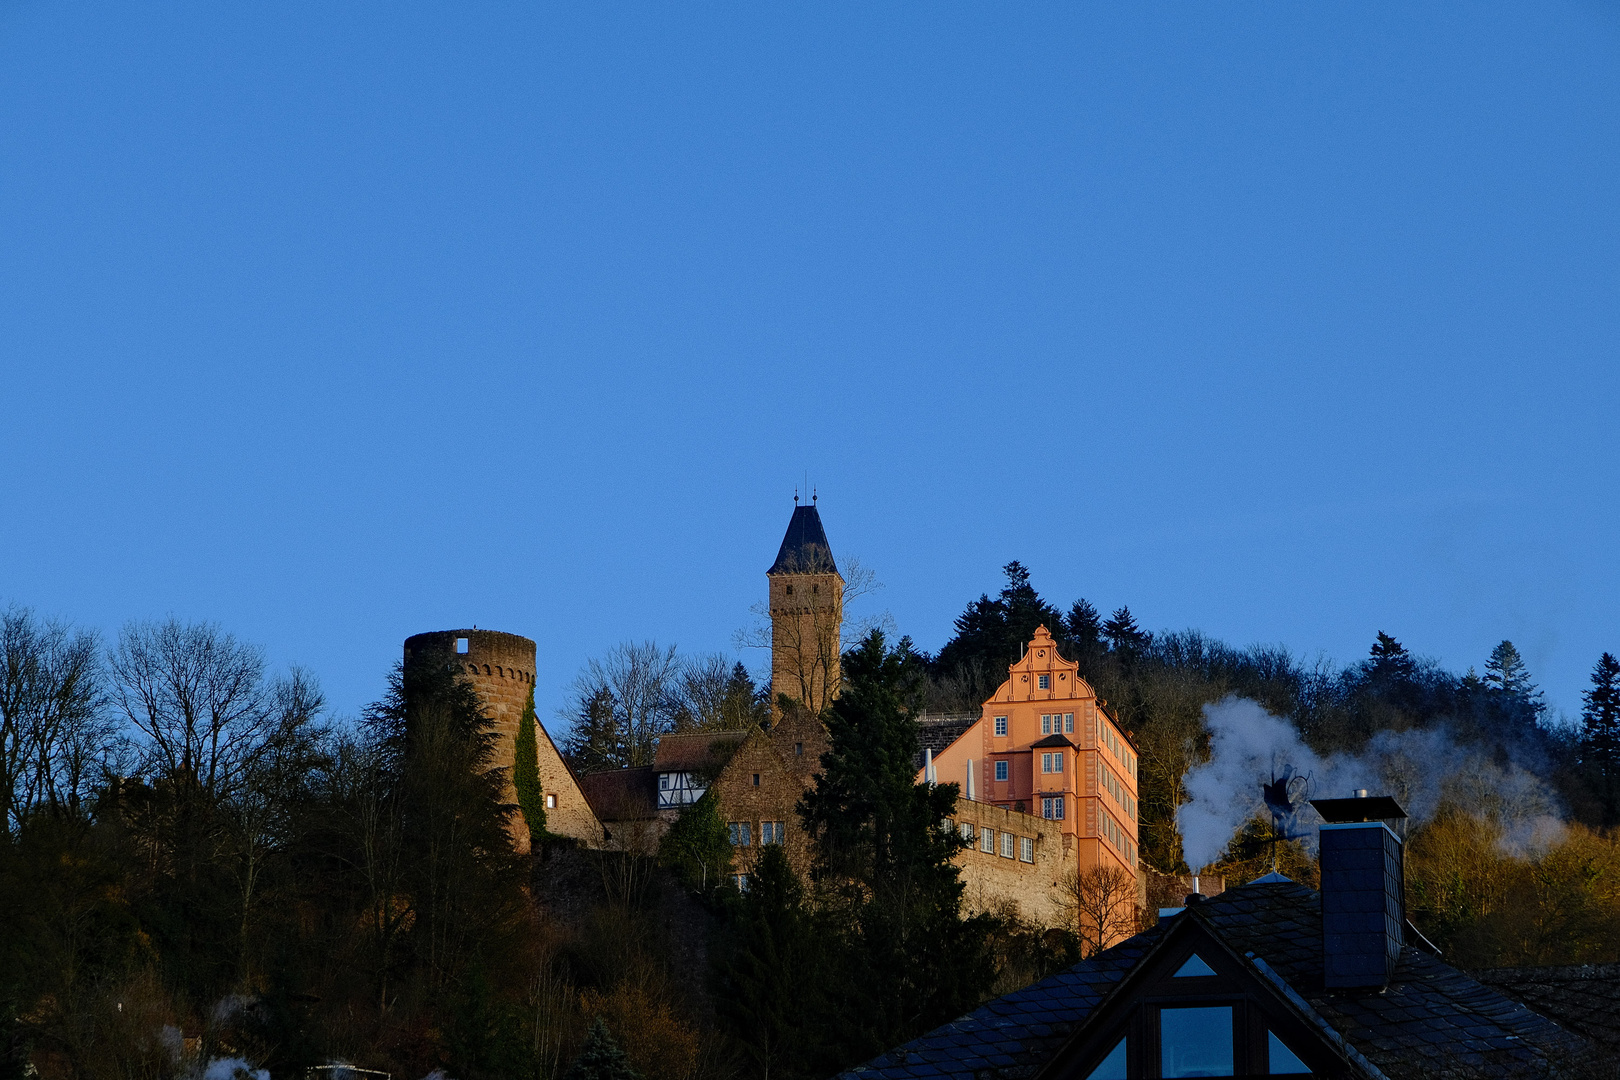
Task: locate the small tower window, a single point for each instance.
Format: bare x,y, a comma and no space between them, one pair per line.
814,589
461,646
798,749
790,590
756,779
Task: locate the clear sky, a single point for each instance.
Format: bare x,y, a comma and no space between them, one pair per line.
337,322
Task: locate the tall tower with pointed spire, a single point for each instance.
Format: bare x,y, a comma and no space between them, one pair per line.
807,615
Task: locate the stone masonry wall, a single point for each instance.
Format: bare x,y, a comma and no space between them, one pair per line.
996,883
501,668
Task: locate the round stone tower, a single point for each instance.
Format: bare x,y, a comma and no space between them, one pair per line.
501,668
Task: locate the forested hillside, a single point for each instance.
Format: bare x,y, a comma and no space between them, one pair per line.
203,869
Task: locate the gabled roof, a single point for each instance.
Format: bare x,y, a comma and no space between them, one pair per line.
804,549
696,751
1053,740
1431,1020
621,794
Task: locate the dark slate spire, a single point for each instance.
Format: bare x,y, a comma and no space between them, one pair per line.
804,549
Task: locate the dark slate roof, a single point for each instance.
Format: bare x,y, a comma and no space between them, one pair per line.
804,549
1053,740
1584,998
1431,1020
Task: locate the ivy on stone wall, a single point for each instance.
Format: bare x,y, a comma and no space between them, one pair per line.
526,774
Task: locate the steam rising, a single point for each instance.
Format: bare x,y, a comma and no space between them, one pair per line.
1419,767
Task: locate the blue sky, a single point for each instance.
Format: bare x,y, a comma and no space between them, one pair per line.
337,323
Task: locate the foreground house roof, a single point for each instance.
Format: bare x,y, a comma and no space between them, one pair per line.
1430,1020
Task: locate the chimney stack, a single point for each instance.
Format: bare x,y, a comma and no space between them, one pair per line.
1363,890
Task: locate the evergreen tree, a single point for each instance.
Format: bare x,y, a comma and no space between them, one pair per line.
526,773
697,846
993,633
1084,627
595,740
908,961
1600,734
1505,672
1123,635
601,1059
769,978
1389,661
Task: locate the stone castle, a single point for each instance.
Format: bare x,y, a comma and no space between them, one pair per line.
1048,779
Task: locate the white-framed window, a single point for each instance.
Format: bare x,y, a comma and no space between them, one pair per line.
1001,770
1026,849
1007,839
1052,808
987,840
1001,725
770,832
1044,682
1068,723
740,834
551,802
1046,724
1052,763
968,833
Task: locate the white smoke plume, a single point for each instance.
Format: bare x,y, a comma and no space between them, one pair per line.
1249,746
233,1069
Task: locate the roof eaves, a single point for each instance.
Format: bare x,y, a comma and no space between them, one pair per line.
1316,1019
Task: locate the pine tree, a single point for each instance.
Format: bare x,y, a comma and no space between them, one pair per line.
1505,672
697,846
1084,626
526,774
1600,734
1123,635
769,977
992,633
596,741
908,960
601,1059
1389,660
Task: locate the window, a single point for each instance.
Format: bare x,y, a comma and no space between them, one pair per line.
1001,725
756,779
1001,770
1052,808
967,833
1284,1061
798,749
1193,968
987,841
741,881
1046,724
1044,682
739,834
1111,1067
1068,723
1026,849
551,802
1195,1041
790,590
461,646
1007,839
772,832
663,781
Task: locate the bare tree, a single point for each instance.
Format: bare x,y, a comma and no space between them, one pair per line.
1102,905
637,683
199,697
54,735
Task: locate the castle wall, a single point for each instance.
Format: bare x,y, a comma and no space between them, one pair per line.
500,668
996,883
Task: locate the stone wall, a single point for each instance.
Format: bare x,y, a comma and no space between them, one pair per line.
1000,884
501,668
783,761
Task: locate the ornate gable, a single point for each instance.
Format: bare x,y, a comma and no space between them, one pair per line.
1025,678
